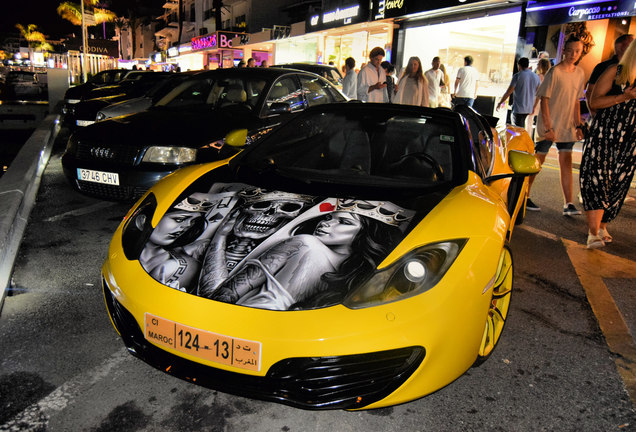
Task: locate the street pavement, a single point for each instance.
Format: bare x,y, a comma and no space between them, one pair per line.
564,363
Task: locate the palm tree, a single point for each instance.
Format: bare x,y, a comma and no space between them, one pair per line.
120,25
73,12
35,39
134,23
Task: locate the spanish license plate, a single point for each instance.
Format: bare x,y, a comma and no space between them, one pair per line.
209,346
108,178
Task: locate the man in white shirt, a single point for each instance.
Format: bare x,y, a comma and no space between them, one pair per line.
434,76
350,81
466,84
372,79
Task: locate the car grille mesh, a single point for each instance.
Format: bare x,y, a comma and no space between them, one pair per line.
120,193
338,382
107,152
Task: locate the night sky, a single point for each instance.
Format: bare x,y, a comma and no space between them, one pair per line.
43,13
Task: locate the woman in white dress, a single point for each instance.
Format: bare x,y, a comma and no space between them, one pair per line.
412,86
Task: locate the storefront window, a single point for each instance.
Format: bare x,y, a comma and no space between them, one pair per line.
298,50
491,41
356,45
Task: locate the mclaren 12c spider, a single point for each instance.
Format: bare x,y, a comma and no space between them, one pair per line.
356,257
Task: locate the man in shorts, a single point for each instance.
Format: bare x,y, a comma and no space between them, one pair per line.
559,120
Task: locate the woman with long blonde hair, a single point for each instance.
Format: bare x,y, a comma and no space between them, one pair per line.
412,86
609,155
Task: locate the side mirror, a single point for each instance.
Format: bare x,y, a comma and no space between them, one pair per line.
236,138
523,163
279,108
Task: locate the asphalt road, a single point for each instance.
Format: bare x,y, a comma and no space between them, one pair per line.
564,363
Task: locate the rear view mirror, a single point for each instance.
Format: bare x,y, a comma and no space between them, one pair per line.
236,138
279,108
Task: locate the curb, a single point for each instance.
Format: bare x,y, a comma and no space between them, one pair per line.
18,190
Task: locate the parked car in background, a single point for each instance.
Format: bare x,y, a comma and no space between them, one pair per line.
355,258
120,158
76,93
24,84
138,84
329,72
145,101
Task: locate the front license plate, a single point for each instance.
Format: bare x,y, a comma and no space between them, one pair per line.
214,347
84,122
98,176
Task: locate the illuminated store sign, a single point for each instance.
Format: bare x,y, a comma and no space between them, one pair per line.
173,52
397,8
95,46
213,41
336,16
559,12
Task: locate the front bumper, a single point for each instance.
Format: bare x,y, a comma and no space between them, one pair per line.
134,181
334,382
330,358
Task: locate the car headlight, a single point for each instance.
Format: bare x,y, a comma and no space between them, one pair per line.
414,274
100,116
170,155
138,227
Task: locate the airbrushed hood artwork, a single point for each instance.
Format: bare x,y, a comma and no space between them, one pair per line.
271,249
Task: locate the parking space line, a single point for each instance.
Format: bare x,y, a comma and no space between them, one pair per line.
81,211
37,415
592,266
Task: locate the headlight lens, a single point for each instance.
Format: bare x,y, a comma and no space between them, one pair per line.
170,155
138,227
414,274
100,116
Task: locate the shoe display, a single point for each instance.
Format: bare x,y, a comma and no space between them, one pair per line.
602,233
532,206
594,241
570,210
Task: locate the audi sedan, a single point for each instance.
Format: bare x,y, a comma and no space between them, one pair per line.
122,157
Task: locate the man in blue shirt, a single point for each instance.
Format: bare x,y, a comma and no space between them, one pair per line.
524,84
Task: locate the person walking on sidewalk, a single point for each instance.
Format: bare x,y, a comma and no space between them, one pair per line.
350,81
609,155
412,86
466,84
559,119
620,46
434,76
372,79
523,87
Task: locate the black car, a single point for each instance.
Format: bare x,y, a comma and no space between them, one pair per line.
76,93
85,111
120,158
329,72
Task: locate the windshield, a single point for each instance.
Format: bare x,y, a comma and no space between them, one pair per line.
215,93
398,147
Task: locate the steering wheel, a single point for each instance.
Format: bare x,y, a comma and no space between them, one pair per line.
437,168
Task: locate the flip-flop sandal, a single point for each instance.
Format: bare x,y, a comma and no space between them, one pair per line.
607,238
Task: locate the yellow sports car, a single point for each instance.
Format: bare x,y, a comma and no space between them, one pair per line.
356,257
